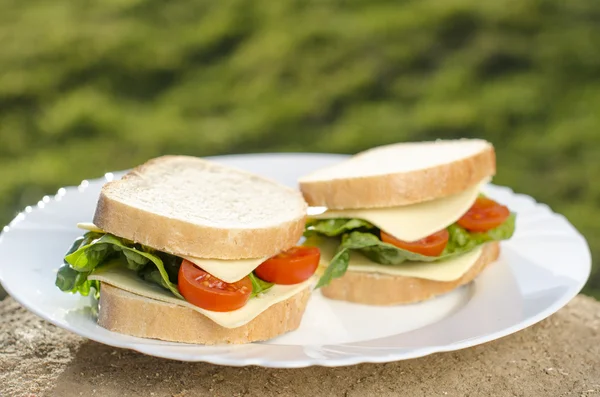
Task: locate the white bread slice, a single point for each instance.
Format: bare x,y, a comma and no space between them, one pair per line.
131,314
386,290
401,174
192,207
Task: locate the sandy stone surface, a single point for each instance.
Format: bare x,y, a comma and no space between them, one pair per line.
558,357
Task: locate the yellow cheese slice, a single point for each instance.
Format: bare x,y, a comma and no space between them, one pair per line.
229,271
416,221
90,227
127,280
445,270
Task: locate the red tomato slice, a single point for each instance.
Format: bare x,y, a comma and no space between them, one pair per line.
290,267
429,246
208,292
484,215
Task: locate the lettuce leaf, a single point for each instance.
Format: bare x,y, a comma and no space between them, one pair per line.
335,227
258,285
460,242
71,280
94,249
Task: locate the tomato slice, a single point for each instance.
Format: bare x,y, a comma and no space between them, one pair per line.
208,292
429,246
484,215
290,267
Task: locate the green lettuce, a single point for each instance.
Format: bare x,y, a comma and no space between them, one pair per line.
259,285
335,227
71,280
94,249
368,243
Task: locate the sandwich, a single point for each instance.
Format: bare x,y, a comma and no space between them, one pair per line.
406,222
183,249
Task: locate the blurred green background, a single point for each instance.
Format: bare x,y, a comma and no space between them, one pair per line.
88,87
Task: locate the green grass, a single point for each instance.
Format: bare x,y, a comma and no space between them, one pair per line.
91,87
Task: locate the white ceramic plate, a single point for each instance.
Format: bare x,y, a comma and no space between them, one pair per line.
541,268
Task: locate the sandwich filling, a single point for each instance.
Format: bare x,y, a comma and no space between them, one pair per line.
438,239
229,292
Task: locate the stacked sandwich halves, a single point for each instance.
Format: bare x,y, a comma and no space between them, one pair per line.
405,222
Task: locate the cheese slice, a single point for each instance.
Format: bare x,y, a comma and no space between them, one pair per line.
128,280
90,227
416,221
445,270
229,271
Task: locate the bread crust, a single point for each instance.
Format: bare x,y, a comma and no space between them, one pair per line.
387,290
131,314
396,189
187,239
